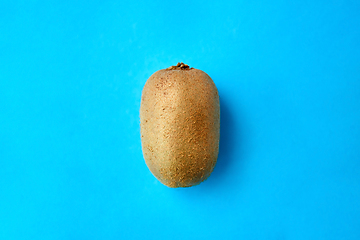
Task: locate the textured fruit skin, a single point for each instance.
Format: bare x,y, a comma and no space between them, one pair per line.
180,126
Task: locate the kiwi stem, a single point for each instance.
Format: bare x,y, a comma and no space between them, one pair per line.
179,66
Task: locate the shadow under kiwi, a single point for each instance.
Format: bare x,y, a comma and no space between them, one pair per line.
228,144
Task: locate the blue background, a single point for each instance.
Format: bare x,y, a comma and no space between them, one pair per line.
71,76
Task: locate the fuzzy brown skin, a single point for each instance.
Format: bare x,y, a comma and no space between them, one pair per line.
180,125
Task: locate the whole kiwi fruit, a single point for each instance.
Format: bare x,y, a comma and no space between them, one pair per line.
180,125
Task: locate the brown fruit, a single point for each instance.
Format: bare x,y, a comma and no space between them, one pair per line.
180,125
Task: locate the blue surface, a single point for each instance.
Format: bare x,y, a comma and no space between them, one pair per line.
71,76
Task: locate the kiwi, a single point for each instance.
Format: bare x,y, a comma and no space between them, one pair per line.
180,125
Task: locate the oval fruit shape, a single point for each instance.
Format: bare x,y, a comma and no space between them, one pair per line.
180,125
